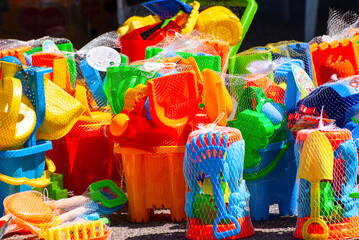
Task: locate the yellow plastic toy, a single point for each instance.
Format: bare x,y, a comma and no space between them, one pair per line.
88,230
316,163
62,112
221,22
9,69
136,22
192,19
132,96
216,97
17,114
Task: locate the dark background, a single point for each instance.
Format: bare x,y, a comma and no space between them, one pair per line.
82,20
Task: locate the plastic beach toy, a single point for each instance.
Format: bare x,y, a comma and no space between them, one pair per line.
89,230
108,202
173,90
17,114
62,112
221,22
216,97
210,156
167,8
60,70
136,22
316,164
31,212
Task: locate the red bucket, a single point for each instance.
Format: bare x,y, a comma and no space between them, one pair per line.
84,156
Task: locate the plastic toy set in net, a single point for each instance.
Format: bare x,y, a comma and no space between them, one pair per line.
215,137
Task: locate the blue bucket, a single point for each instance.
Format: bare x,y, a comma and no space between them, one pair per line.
277,187
27,163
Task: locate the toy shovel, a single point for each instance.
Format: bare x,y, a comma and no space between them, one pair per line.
216,97
210,159
316,163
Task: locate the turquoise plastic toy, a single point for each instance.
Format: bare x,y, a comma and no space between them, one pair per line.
212,164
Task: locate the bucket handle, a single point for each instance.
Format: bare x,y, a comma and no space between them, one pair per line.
41,182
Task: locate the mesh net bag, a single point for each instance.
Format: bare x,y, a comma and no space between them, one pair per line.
334,101
63,219
340,26
327,159
217,197
82,75
266,84
335,54
209,51
158,102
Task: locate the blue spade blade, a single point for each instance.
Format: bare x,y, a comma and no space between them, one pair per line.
166,9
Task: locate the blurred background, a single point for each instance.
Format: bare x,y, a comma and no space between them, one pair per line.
82,20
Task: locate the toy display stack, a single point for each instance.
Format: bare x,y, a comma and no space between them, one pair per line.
168,110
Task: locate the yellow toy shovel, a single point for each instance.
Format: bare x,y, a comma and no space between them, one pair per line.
316,163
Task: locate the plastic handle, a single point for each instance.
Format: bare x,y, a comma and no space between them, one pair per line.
41,182
222,212
315,215
265,171
73,214
246,21
71,202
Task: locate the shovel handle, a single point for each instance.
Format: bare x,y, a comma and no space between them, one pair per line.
315,215
222,212
315,236
226,234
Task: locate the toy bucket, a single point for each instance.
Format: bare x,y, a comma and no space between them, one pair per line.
22,169
337,207
84,156
154,179
277,185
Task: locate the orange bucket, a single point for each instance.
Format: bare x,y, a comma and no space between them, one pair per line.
154,180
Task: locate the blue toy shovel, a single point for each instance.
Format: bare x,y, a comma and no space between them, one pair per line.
166,9
210,159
